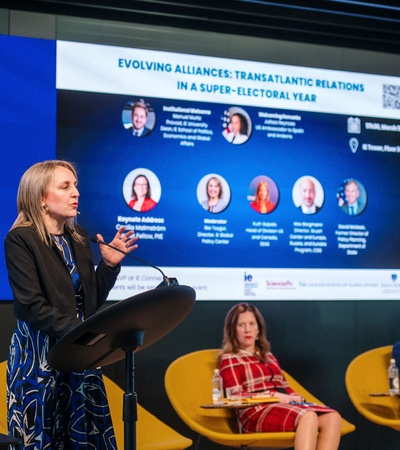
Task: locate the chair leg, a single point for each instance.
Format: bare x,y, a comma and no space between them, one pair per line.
198,442
376,437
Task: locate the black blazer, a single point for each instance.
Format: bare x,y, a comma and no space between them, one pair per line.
44,294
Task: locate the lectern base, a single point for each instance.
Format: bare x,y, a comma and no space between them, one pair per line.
6,440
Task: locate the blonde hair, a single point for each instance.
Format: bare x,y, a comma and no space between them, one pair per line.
32,189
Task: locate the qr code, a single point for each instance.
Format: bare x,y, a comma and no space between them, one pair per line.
391,96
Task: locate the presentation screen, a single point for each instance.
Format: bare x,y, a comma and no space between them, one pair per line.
245,180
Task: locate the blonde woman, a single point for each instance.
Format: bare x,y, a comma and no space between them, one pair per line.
55,287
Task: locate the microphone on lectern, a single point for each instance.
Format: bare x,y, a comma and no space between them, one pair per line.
166,281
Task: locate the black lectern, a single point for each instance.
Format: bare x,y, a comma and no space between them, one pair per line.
119,331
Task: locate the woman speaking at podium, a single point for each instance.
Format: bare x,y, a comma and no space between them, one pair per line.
55,287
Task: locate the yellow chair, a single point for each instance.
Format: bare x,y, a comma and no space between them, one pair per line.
151,433
368,373
3,397
5,440
188,385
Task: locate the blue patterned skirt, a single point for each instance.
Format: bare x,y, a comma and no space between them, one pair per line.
49,409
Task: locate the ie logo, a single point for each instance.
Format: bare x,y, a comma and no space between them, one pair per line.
248,278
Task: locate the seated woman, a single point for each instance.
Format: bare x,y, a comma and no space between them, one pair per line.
246,361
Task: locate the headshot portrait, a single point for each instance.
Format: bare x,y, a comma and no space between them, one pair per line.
213,193
308,195
141,190
263,194
138,118
236,125
352,197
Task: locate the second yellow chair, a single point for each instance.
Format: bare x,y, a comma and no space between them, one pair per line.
368,374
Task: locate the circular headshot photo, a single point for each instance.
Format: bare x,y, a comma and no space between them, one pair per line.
139,118
141,190
263,194
236,125
213,193
352,197
308,195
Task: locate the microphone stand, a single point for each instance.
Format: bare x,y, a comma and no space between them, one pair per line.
129,412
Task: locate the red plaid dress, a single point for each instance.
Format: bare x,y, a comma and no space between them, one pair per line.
244,369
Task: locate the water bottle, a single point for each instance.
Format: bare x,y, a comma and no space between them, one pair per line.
217,388
393,373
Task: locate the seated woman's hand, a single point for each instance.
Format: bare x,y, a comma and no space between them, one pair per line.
296,398
264,394
288,398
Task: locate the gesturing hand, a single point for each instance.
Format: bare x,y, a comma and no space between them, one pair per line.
125,242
